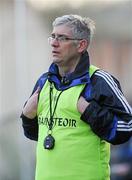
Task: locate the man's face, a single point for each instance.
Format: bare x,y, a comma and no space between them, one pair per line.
64,49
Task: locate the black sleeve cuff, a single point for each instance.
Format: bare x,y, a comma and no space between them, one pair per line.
30,127
28,121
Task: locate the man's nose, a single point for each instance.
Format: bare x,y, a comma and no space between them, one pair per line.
54,42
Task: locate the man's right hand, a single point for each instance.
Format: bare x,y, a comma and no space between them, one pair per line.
30,109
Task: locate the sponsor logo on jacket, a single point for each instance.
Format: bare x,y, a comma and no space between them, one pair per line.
65,122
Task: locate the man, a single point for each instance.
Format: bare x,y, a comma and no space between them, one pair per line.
74,114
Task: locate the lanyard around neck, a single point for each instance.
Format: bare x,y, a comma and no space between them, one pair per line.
52,111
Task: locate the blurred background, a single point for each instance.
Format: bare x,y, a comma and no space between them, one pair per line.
25,54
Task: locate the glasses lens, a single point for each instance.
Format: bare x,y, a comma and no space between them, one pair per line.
50,39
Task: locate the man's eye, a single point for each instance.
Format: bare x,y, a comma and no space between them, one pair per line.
61,38
53,35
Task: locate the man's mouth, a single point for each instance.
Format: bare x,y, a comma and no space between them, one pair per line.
54,53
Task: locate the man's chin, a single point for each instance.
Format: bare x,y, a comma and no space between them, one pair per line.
56,61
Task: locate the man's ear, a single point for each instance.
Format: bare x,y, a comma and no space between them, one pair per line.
82,45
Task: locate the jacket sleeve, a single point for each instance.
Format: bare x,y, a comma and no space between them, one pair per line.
108,114
30,126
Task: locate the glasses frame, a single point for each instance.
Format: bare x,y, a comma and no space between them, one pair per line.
61,38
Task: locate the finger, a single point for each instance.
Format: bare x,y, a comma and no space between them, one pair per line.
81,98
37,90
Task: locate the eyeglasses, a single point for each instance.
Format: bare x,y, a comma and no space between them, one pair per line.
60,38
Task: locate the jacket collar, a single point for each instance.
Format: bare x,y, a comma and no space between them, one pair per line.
79,76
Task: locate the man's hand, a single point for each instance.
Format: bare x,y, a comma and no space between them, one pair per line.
82,104
30,109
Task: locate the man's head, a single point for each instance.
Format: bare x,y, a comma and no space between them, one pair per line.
82,28
70,38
